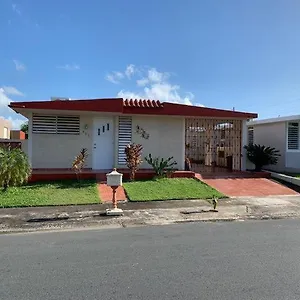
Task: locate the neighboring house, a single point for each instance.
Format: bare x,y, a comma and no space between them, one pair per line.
17,135
282,133
59,129
5,128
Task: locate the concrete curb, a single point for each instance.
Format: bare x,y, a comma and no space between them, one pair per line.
62,218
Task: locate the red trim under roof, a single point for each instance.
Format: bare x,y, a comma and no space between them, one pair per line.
131,106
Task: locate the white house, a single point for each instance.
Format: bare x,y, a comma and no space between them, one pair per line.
282,133
59,129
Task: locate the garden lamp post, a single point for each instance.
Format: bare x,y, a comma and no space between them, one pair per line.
114,180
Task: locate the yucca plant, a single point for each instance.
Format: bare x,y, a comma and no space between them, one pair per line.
133,158
79,162
261,155
160,165
14,167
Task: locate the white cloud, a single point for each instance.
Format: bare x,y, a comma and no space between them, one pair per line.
19,66
142,82
130,70
69,67
16,9
16,122
6,112
156,86
11,90
159,91
114,77
155,76
4,99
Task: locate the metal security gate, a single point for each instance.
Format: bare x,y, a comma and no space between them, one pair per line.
213,144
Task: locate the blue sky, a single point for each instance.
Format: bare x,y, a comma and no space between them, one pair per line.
224,54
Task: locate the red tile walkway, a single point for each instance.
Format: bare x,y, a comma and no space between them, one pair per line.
246,186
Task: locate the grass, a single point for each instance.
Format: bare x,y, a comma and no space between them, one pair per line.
51,193
169,189
293,174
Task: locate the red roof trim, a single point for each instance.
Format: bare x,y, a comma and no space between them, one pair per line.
142,103
132,106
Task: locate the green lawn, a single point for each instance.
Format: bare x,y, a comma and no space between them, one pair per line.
51,193
169,189
293,174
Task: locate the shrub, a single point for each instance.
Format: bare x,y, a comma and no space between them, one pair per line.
79,162
133,158
14,167
160,165
261,155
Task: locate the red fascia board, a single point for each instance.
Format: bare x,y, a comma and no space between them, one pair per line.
198,111
171,109
114,105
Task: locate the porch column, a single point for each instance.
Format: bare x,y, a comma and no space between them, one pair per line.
30,137
244,143
182,165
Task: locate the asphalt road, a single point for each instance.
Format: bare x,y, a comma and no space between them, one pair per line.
244,260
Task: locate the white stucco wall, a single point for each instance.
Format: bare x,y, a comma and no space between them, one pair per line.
166,137
273,135
59,150
292,161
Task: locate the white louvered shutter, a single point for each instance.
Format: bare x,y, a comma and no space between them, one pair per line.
293,136
250,135
44,124
52,124
68,125
124,137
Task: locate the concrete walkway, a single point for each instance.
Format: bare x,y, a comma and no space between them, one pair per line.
151,213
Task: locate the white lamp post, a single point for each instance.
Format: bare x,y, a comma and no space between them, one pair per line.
114,180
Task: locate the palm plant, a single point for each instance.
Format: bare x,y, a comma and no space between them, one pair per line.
79,162
160,165
14,167
261,155
133,158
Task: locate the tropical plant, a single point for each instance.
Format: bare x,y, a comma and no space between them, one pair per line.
24,127
161,165
187,164
133,158
79,162
261,155
14,167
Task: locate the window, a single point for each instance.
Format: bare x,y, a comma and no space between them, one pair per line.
51,124
125,134
5,133
293,136
250,135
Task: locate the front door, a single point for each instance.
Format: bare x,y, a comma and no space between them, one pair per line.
103,143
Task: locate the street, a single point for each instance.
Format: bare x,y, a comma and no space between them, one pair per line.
229,260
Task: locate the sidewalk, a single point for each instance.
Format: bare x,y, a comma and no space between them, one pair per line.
147,213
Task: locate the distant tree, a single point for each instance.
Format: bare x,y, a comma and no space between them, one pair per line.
24,127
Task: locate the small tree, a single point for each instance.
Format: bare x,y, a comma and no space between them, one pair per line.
262,156
133,158
161,165
24,127
14,167
79,163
